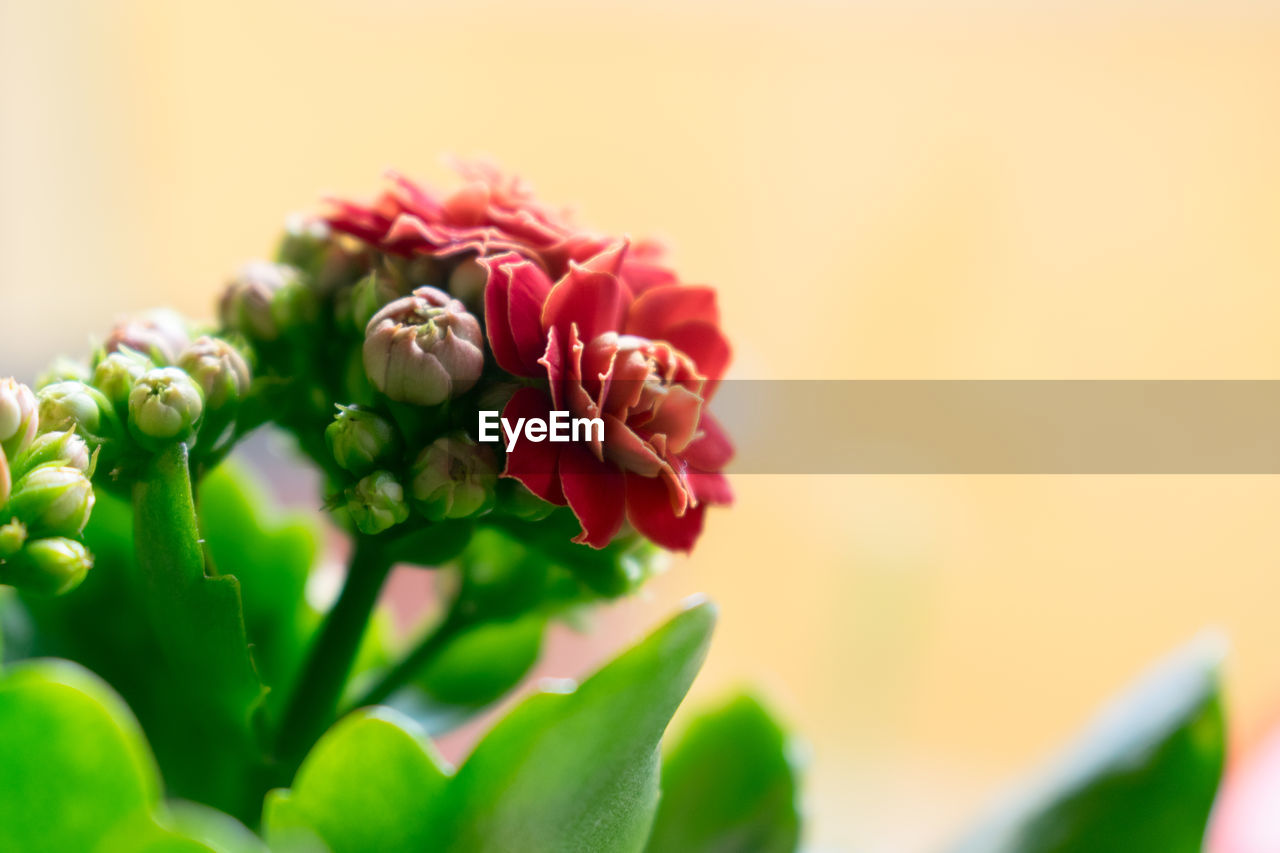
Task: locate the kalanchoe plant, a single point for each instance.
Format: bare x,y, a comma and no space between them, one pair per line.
374,339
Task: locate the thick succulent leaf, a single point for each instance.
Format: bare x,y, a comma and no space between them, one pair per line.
578,771
1141,780
203,659
77,774
367,786
729,785
270,553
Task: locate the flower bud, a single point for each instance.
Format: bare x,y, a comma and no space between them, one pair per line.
63,369
515,499
467,282
264,300
64,449
369,295
423,348
115,374
453,477
49,566
160,335
359,440
75,406
52,501
376,503
218,368
304,242
13,536
18,418
165,405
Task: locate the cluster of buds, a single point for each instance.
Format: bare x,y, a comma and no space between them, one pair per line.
45,496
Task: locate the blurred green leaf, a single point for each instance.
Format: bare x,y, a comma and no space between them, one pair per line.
476,669
367,786
77,772
729,785
270,553
578,771
1141,780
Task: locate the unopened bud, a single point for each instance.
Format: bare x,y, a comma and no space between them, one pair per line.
359,439
63,369
49,566
304,242
160,335
218,368
453,477
75,406
165,405
52,501
467,282
264,300
63,449
115,374
423,348
18,416
13,536
369,295
515,499
376,503
6,479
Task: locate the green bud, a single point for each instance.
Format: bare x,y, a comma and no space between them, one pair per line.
453,478
159,334
52,501
12,537
19,420
49,566
303,243
75,406
165,405
515,499
62,449
359,439
218,368
467,282
116,372
264,300
376,503
369,295
63,369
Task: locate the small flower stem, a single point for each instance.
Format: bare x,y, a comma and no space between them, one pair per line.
430,646
313,705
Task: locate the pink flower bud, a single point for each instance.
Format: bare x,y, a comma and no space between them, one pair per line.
218,368
263,300
160,335
18,418
423,348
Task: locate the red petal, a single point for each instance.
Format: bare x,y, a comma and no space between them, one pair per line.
661,308
712,450
595,493
497,292
553,360
710,488
536,464
649,511
706,345
527,289
596,301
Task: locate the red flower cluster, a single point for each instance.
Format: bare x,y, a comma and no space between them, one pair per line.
611,330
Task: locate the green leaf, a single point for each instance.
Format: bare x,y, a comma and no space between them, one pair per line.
729,785
473,671
213,747
367,785
270,553
578,771
1141,780
77,771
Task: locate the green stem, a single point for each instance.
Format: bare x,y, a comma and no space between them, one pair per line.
411,664
313,705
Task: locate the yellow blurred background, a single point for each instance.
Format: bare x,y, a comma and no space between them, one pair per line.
935,190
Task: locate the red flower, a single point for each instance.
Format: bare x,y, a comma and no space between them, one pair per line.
646,364
610,328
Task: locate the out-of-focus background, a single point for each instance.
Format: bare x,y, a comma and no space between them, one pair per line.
930,190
